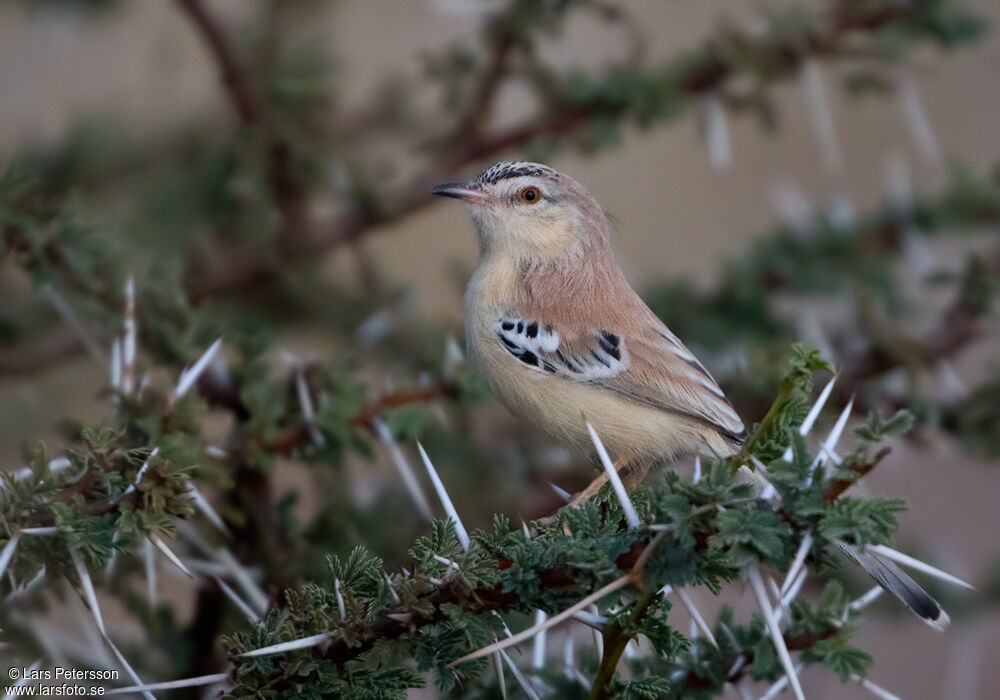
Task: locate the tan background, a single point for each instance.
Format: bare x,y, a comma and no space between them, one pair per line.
678,217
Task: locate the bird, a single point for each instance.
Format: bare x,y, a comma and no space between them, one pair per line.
564,341
561,337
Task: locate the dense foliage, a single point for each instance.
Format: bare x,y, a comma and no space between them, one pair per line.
237,463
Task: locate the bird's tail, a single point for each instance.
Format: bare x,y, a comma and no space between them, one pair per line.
897,582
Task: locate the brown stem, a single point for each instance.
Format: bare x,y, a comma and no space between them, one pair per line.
239,88
616,638
253,111
837,486
290,439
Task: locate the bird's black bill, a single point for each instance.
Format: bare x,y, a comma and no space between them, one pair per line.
459,190
456,190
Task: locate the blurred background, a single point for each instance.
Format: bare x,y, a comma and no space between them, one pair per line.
824,171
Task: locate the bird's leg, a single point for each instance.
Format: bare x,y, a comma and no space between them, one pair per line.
621,463
634,475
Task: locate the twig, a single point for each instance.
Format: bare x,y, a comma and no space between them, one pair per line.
239,88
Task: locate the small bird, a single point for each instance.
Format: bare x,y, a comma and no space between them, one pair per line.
561,337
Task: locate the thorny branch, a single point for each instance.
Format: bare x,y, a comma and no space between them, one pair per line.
454,592
290,439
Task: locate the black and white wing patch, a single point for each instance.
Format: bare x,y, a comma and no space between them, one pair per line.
539,346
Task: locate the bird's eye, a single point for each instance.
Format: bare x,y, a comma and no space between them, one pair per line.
529,195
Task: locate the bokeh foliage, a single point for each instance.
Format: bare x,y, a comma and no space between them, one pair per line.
221,230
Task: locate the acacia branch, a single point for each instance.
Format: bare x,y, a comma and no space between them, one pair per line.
837,486
290,439
959,326
253,111
239,88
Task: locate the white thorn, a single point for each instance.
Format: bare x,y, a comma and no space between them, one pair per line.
130,341
392,591
597,622
340,599
68,315
800,557
626,503
88,588
243,579
402,466
142,470
453,356
447,562
174,559
449,507
814,412
216,452
907,560
696,616
863,601
538,646
303,643
716,132
150,565
697,470
525,684
915,117
113,559
876,690
778,686
841,214
8,552
190,376
831,441
919,256
116,364
598,637
562,493
757,583
127,666
501,681
51,530
615,585
793,592
569,664
55,466
202,504
305,403
243,606
170,685
773,585
792,207
952,388
759,474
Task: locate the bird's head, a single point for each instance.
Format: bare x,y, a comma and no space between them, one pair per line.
530,211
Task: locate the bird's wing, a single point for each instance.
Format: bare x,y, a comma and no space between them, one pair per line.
643,362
